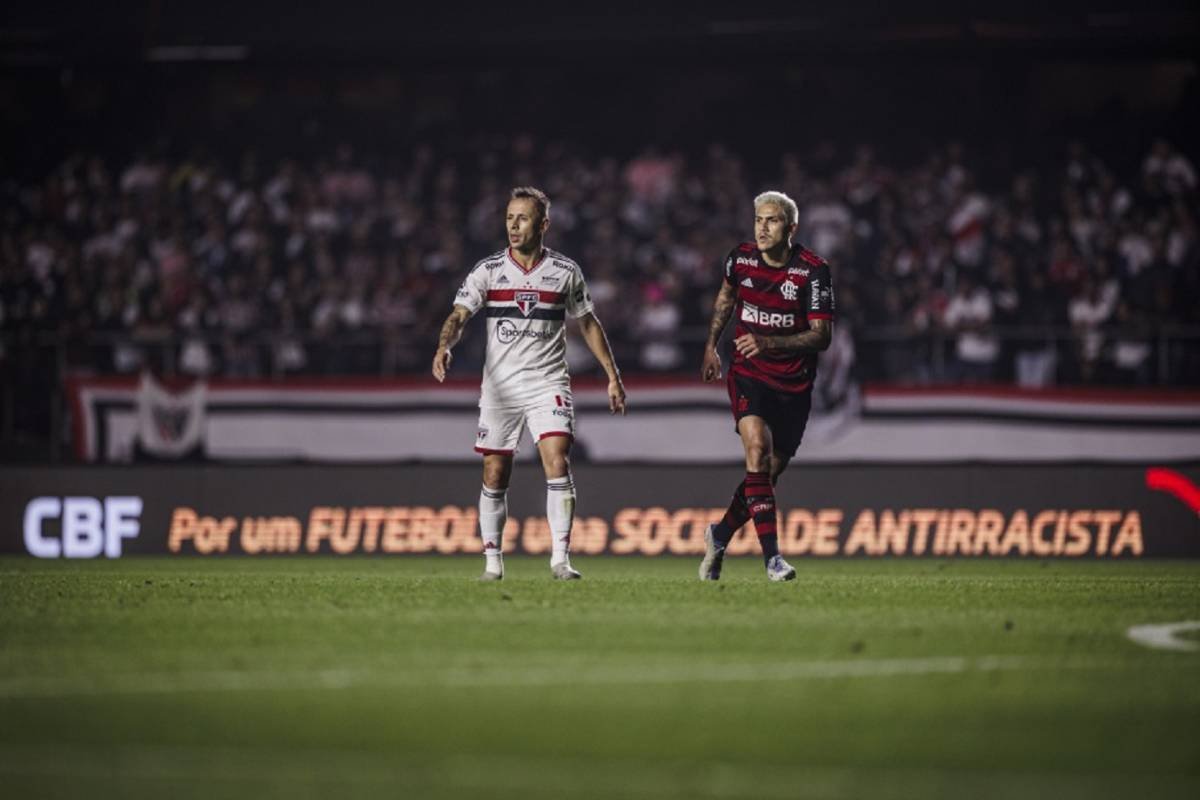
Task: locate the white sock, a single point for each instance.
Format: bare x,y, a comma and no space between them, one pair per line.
560,511
493,513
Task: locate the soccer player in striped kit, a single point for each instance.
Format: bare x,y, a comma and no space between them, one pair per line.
782,299
526,291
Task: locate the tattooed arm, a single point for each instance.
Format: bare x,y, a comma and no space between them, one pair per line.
814,340
451,332
710,370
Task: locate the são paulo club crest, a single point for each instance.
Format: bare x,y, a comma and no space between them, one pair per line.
526,301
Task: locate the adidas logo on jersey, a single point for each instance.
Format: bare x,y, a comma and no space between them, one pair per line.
748,283
503,279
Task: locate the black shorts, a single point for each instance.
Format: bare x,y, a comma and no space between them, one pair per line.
785,413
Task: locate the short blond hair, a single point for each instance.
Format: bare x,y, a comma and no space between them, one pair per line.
783,201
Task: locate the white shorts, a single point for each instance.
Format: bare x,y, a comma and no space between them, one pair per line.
500,429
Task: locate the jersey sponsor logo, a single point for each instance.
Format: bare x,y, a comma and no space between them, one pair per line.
749,262
747,283
788,289
507,332
803,273
526,301
816,293
494,264
561,264
462,293
550,279
770,319
578,297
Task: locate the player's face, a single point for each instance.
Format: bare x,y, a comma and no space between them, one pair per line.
524,224
771,229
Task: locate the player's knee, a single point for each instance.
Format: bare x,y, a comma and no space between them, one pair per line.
496,475
557,465
758,456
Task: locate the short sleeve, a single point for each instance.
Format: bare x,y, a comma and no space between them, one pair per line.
579,301
473,292
821,304
729,265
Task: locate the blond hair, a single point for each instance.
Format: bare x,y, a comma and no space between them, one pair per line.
783,201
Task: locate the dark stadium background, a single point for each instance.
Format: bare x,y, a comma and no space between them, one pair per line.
492,94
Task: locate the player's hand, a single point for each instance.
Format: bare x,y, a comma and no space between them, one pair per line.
441,364
710,370
750,344
616,397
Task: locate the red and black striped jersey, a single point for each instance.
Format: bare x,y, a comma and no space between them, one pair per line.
778,301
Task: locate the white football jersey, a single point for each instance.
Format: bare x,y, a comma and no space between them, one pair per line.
526,323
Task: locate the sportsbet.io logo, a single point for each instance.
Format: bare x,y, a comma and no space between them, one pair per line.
507,332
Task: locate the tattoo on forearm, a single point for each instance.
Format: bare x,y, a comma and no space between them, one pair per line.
722,311
813,340
451,330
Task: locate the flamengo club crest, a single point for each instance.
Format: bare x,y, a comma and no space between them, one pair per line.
789,290
526,301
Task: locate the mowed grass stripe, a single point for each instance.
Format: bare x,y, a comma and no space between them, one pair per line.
630,674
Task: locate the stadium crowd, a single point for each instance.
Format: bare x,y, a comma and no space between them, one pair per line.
345,264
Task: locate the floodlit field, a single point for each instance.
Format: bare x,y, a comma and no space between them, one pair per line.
306,678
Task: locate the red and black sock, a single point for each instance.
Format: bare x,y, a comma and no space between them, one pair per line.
760,500
735,517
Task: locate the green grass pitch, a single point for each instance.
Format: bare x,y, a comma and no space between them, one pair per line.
318,677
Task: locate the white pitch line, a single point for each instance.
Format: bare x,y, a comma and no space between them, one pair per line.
632,675
1164,637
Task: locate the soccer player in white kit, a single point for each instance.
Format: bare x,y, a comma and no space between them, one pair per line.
526,291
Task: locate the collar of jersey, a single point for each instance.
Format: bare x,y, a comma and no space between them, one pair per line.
795,251
508,252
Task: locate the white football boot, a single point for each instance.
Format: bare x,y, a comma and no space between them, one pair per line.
714,557
780,570
563,571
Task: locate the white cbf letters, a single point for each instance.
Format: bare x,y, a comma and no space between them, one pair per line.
89,526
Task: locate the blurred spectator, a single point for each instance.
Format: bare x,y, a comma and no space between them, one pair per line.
657,327
1173,168
1036,359
1088,312
969,316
